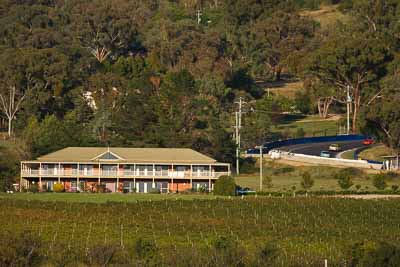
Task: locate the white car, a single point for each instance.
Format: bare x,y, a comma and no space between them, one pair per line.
334,147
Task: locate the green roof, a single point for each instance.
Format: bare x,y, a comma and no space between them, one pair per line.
133,155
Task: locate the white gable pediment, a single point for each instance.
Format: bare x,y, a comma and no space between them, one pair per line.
108,156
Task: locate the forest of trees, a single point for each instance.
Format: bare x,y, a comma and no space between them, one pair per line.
167,73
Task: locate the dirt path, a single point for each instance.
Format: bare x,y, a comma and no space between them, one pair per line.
372,196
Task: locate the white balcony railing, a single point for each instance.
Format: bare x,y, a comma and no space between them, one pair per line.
108,172
115,173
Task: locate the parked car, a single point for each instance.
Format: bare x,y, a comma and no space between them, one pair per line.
325,154
244,191
368,141
334,147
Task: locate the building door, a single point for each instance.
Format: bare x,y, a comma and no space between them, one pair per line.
74,185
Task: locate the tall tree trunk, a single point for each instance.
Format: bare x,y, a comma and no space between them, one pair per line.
319,107
10,105
9,126
278,72
327,103
356,107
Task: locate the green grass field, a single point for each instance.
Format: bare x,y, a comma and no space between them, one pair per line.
287,178
376,152
327,16
348,154
312,125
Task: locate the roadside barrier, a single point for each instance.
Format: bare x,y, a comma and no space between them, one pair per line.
365,164
306,140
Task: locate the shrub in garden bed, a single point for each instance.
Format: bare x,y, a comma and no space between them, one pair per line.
58,187
33,188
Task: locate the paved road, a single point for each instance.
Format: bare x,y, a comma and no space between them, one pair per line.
316,148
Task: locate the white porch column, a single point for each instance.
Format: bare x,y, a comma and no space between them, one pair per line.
172,176
59,172
40,177
191,176
98,178
20,177
117,186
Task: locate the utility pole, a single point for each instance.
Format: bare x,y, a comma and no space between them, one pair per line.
198,16
348,101
261,167
238,126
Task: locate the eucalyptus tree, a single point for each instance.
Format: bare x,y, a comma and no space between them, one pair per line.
351,60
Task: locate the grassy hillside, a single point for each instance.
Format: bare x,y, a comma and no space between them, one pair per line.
326,16
375,153
312,125
282,88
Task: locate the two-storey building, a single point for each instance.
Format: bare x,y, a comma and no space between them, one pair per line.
123,170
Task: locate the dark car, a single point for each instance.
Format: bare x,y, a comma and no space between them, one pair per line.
244,191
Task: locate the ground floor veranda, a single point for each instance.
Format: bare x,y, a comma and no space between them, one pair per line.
122,185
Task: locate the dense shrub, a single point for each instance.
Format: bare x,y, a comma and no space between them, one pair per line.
34,188
372,254
225,186
379,181
344,180
58,187
303,102
9,168
248,165
306,181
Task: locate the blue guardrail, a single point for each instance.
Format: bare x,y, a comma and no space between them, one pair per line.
306,140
